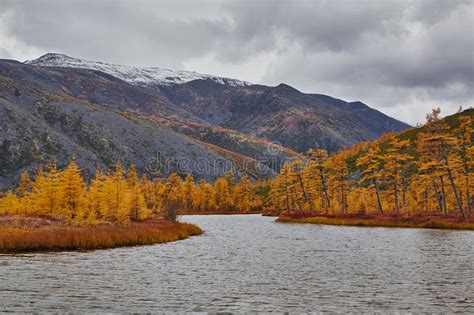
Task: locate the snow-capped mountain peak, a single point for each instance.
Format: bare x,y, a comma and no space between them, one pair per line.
143,76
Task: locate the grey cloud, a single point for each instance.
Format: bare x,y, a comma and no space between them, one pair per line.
334,25
391,54
125,32
5,54
375,37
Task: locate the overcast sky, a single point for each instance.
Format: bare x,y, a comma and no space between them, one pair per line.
401,57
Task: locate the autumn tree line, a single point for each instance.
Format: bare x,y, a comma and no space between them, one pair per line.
423,170
420,171
122,196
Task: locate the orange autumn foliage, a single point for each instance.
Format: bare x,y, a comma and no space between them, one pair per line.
427,170
122,197
57,237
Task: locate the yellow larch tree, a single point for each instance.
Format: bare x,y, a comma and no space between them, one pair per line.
464,135
301,179
370,164
53,190
221,195
38,193
318,159
23,191
188,192
136,200
73,195
156,188
438,151
113,193
10,203
96,204
203,198
396,161
282,190
171,191
338,178
243,194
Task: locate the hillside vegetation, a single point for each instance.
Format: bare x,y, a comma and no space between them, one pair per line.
121,197
426,170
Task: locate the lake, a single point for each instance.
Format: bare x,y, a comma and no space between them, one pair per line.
250,263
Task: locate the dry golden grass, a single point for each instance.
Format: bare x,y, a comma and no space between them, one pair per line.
58,237
429,222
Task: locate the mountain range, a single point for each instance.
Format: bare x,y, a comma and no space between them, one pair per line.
57,106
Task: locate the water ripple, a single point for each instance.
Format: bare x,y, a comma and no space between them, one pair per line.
251,264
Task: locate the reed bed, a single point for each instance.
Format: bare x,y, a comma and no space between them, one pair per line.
55,237
428,222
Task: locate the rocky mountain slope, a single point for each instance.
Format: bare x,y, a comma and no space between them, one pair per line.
283,114
52,113
280,114
57,106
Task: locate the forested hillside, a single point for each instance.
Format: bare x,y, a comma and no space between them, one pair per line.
422,170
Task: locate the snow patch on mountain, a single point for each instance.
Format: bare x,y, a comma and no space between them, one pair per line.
150,76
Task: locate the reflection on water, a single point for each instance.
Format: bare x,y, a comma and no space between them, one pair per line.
250,263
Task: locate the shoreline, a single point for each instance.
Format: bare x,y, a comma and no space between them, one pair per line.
54,236
213,212
421,222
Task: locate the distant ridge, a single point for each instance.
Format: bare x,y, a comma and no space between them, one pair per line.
282,114
144,76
